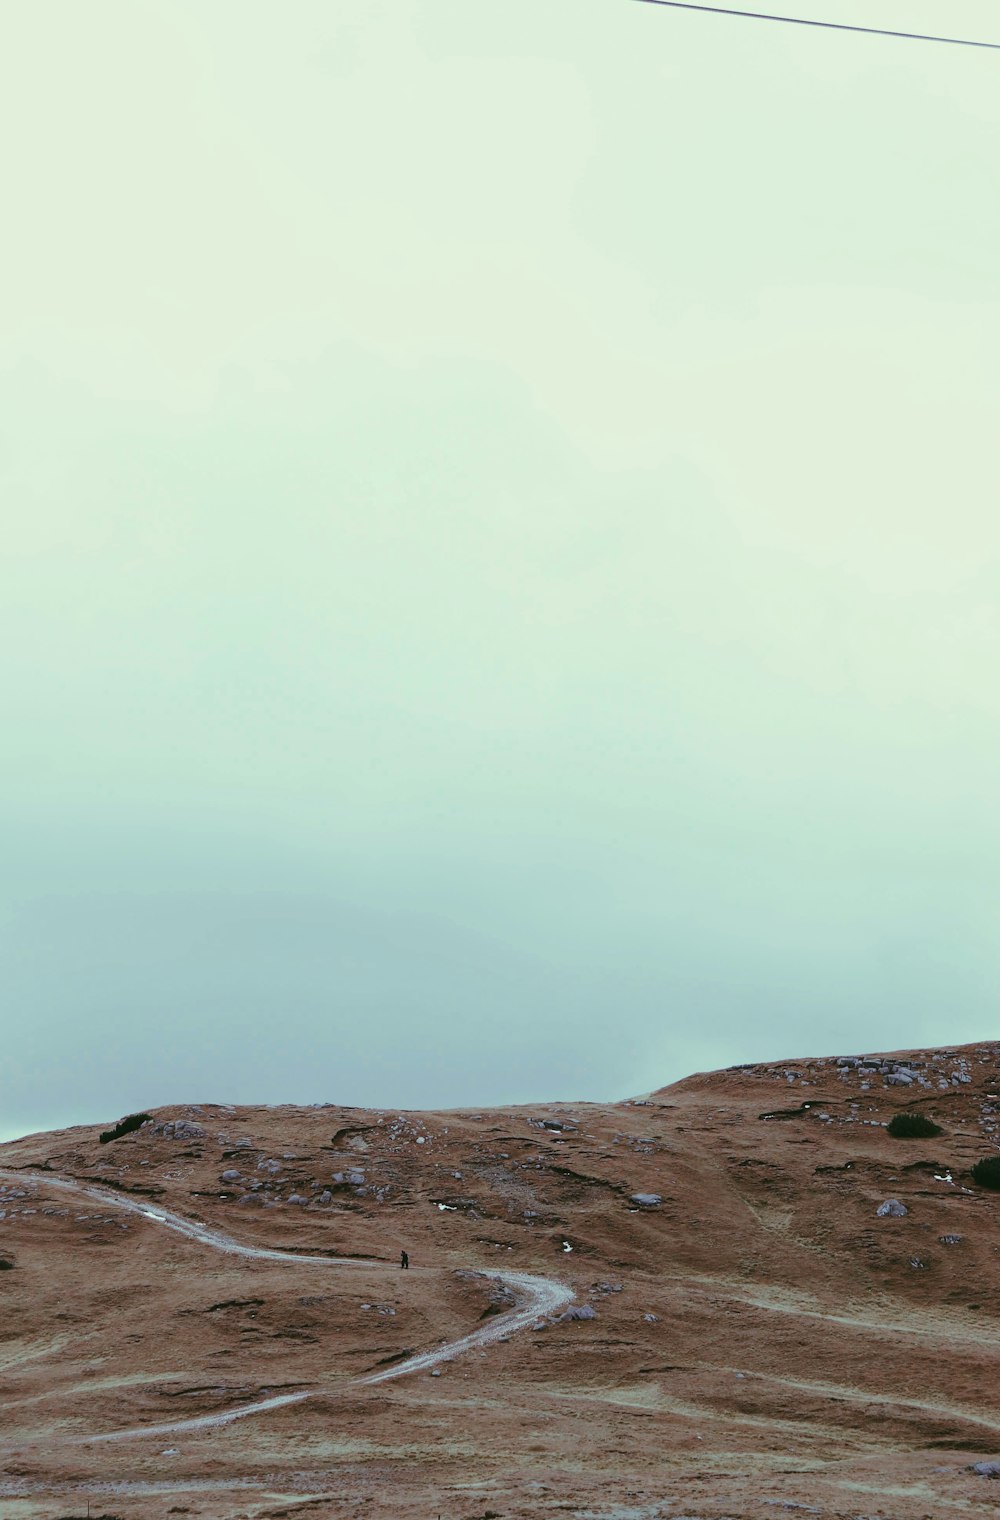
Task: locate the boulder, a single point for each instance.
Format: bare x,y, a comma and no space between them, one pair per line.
891,1209
178,1129
578,1311
646,1200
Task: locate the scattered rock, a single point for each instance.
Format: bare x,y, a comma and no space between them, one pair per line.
950,1240
891,1209
178,1129
986,1469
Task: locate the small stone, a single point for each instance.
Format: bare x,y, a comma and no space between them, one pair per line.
647,1200
891,1209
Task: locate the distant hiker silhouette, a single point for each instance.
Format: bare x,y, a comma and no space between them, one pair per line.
404,1260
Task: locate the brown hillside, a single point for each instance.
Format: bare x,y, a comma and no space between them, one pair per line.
763,1340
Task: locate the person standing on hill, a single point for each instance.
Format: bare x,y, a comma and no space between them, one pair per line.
404,1261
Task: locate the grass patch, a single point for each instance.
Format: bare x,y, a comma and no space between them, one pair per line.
126,1126
913,1127
987,1173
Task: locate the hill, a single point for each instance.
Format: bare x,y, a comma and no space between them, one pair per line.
790,1307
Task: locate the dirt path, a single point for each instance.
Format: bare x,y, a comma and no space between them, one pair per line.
534,1296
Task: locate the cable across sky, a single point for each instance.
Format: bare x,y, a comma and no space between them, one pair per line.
833,26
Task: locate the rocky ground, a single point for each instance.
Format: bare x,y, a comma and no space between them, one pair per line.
766,1335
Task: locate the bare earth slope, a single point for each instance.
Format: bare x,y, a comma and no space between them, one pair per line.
762,1338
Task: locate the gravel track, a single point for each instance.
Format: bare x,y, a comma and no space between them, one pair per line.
534,1296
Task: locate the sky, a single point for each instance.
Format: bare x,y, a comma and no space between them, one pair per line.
500,553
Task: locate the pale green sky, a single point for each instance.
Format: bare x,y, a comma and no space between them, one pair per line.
501,551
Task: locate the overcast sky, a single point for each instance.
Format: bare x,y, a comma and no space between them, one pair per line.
500,533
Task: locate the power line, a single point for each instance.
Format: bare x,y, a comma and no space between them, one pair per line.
833,26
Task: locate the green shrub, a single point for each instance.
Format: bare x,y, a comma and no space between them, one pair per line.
913,1127
987,1173
124,1127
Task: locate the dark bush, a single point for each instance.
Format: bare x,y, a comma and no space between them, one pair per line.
913,1127
124,1127
6,1266
987,1173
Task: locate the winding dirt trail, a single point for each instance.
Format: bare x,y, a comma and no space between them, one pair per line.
534,1296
